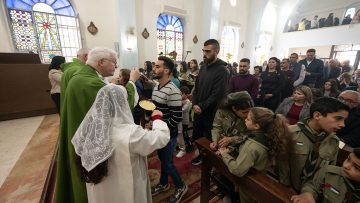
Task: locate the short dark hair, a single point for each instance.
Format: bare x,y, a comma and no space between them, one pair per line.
357,152
297,56
184,89
213,42
259,67
311,50
326,105
245,60
286,59
168,63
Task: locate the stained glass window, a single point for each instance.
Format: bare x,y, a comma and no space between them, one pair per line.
47,27
23,30
170,36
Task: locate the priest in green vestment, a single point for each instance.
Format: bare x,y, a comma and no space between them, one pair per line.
79,96
69,69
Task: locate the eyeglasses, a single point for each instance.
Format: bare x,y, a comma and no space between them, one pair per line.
114,62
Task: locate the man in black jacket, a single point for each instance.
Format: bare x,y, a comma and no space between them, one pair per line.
210,90
350,133
314,69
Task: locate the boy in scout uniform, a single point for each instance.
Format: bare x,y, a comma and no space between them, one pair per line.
315,144
229,123
333,183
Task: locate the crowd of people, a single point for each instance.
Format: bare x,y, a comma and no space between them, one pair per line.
290,117
329,21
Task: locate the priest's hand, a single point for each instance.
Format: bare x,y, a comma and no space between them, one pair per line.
135,75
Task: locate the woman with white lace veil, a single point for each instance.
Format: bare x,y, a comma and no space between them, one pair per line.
113,149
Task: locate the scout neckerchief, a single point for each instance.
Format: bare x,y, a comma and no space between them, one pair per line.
259,137
316,139
353,194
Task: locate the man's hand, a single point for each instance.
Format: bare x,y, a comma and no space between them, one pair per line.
197,109
225,141
303,198
213,146
307,73
223,150
267,96
156,113
134,75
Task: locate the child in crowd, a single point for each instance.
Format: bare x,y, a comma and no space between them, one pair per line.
183,138
315,142
229,123
267,142
333,183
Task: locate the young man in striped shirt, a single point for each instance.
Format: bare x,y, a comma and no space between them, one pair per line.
167,98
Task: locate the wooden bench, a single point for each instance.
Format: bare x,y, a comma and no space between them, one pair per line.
260,186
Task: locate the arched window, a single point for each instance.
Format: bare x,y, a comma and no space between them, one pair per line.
267,28
350,11
46,27
170,36
229,44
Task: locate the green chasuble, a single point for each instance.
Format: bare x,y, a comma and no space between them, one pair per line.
69,69
79,96
131,96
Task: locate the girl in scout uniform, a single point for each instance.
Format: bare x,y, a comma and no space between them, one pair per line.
267,142
229,123
333,183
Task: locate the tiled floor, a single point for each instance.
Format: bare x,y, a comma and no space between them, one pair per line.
14,136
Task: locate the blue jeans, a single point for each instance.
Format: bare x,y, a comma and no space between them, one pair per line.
167,164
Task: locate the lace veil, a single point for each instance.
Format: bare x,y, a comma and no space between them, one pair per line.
92,140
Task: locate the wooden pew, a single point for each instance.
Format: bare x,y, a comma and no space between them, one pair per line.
260,186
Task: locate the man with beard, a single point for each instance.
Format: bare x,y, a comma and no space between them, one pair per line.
244,81
167,98
314,69
210,90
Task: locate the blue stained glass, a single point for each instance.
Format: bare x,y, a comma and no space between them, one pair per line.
62,7
164,20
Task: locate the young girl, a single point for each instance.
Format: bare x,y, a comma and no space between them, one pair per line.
267,143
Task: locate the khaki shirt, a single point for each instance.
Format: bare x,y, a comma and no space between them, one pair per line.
327,185
252,154
302,148
227,123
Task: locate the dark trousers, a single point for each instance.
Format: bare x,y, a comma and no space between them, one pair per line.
203,125
56,98
167,164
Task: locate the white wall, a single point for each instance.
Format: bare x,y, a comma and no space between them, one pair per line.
6,44
346,34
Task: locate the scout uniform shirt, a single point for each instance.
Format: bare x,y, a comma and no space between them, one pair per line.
252,154
228,124
330,185
305,147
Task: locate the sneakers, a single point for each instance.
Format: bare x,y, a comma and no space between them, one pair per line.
178,194
180,154
196,161
159,189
